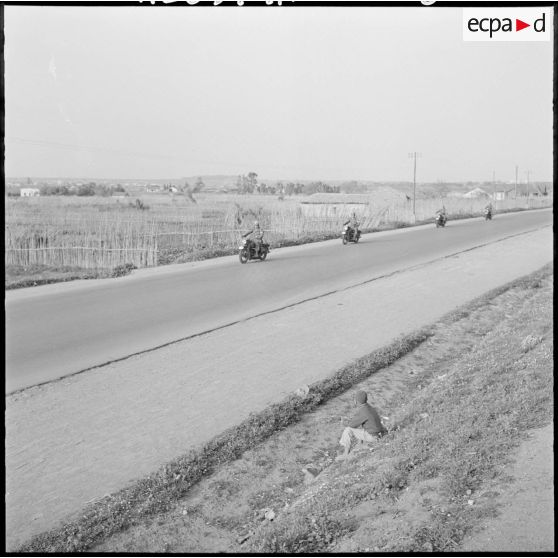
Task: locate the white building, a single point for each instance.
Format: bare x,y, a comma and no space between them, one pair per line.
29,192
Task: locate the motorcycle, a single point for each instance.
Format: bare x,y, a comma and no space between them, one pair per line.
248,251
348,235
488,214
441,220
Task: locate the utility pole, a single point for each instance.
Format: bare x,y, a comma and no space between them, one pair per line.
516,169
414,184
414,156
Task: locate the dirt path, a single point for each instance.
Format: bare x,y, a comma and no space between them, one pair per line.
75,440
526,521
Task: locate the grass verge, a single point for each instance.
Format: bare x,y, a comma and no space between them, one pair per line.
434,477
18,276
159,492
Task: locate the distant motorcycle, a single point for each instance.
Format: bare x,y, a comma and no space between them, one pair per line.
248,251
488,214
349,235
441,220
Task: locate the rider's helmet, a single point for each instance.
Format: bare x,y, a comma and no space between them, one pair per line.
257,224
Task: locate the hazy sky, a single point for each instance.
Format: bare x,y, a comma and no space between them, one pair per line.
310,93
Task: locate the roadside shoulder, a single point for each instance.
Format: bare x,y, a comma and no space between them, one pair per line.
526,521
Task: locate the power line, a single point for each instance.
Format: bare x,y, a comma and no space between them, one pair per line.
77,147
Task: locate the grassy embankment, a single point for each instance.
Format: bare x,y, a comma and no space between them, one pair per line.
467,387
60,239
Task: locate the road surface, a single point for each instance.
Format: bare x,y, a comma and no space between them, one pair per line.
57,330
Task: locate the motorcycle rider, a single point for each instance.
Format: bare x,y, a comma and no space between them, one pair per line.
442,213
488,209
353,225
257,239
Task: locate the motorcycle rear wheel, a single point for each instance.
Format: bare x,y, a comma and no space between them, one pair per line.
263,255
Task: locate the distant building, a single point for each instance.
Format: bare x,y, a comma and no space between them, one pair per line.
500,195
476,193
316,205
29,192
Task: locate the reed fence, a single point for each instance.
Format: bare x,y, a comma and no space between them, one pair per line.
100,236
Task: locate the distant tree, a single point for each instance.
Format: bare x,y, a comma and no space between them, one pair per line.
352,187
189,191
319,187
309,189
253,181
246,186
199,185
138,204
85,190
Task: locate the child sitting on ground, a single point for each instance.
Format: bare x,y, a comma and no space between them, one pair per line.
365,426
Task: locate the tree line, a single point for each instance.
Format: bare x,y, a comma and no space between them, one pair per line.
249,184
89,189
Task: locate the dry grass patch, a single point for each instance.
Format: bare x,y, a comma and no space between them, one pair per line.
433,477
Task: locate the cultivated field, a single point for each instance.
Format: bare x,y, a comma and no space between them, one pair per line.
101,234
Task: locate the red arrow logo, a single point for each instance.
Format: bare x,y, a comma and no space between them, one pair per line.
519,25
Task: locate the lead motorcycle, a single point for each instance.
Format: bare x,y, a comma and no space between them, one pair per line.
248,251
441,220
488,214
348,235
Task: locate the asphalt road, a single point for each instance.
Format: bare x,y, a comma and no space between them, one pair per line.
57,330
